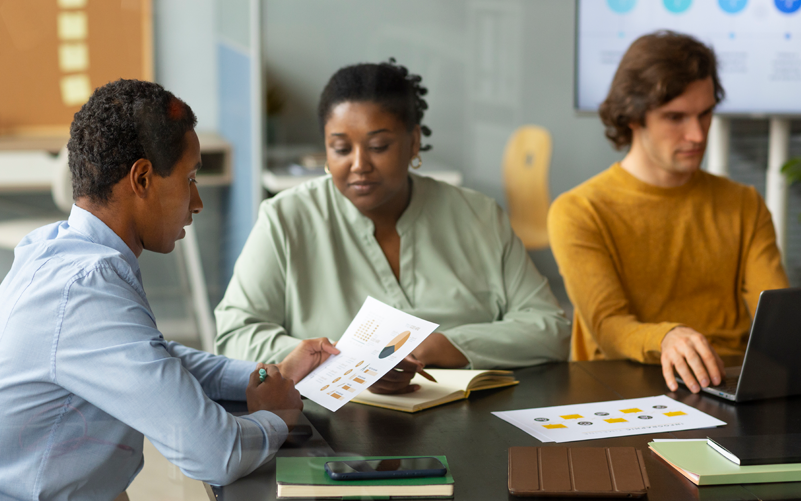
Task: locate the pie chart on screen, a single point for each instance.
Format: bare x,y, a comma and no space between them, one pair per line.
395,344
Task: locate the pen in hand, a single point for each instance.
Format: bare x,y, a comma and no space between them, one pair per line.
426,375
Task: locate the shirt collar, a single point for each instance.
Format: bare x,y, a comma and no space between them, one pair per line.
406,220
98,232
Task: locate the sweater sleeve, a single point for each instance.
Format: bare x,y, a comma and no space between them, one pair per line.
590,267
763,262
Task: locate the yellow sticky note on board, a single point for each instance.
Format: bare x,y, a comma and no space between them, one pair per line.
72,25
71,4
616,420
73,57
75,89
630,411
554,426
571,416
675,413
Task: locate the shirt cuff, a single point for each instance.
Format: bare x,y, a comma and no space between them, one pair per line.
652,347
274,428
235,378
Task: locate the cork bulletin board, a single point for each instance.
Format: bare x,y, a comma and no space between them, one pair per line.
54,53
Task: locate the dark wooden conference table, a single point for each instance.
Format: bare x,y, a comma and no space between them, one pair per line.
476,442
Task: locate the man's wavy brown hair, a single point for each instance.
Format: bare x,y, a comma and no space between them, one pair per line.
655,69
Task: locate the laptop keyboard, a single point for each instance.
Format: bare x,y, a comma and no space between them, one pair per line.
728,386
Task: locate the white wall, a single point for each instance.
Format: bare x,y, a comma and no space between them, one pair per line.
185,46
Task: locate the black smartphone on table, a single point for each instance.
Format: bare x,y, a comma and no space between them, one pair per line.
371,469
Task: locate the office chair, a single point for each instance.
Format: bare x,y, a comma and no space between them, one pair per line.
526,160
188,255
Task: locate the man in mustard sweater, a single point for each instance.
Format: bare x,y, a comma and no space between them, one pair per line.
663,262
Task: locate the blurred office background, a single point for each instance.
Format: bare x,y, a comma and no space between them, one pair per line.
490,66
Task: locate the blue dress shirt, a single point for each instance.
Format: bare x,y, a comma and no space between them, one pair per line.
85,374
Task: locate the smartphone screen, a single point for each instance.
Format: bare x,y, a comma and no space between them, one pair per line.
384,468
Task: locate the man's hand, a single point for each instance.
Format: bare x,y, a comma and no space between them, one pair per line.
276,394
306,357
397,379
690,354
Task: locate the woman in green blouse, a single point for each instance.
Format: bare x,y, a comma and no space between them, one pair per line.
372,228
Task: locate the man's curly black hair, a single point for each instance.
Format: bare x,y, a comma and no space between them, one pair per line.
387,84
122,122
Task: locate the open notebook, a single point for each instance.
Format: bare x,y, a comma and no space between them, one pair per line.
451,385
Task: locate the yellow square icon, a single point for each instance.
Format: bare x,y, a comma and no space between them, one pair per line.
572,416
554,426
675,413
630,411
616,420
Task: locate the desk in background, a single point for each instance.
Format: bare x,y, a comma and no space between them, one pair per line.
215,153
476,442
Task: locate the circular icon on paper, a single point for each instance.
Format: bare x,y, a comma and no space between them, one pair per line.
601,413
347,372
732,6
585,423
644,416
324,387
335,380
788,6
660,407
541,419
677,6
621,6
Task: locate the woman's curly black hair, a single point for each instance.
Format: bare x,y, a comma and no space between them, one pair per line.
122,122
387,84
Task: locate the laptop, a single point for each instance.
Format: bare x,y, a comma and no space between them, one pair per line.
772,364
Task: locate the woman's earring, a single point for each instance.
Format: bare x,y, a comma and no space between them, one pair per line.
419,162
326,168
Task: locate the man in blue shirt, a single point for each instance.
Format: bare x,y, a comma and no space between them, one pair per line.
84,372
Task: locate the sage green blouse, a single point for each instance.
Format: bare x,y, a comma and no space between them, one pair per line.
312,259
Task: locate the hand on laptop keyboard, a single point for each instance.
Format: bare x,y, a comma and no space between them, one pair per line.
689,353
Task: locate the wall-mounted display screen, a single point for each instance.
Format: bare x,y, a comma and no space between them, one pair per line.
757,42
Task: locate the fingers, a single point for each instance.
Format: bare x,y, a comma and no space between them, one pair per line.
254,377
687,375
328,347
696,365
386,390
409,364
710,360
667,373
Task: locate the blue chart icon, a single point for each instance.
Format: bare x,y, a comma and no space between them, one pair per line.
678,6
621,6
732,6
788,6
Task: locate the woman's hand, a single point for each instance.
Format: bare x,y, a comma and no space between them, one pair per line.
437,351
397,379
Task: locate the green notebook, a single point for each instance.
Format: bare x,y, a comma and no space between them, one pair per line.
305,477
703,465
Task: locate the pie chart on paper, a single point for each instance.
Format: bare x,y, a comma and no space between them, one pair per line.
395,344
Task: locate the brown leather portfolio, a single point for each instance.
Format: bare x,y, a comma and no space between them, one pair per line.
613,472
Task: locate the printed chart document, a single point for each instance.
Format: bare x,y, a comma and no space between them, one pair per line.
616,418
378,338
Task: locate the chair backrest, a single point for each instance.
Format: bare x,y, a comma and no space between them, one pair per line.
62,182
526,161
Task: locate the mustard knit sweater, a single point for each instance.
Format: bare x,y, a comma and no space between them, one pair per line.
639,260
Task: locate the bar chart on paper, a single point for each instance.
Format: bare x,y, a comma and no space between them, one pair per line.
377,339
